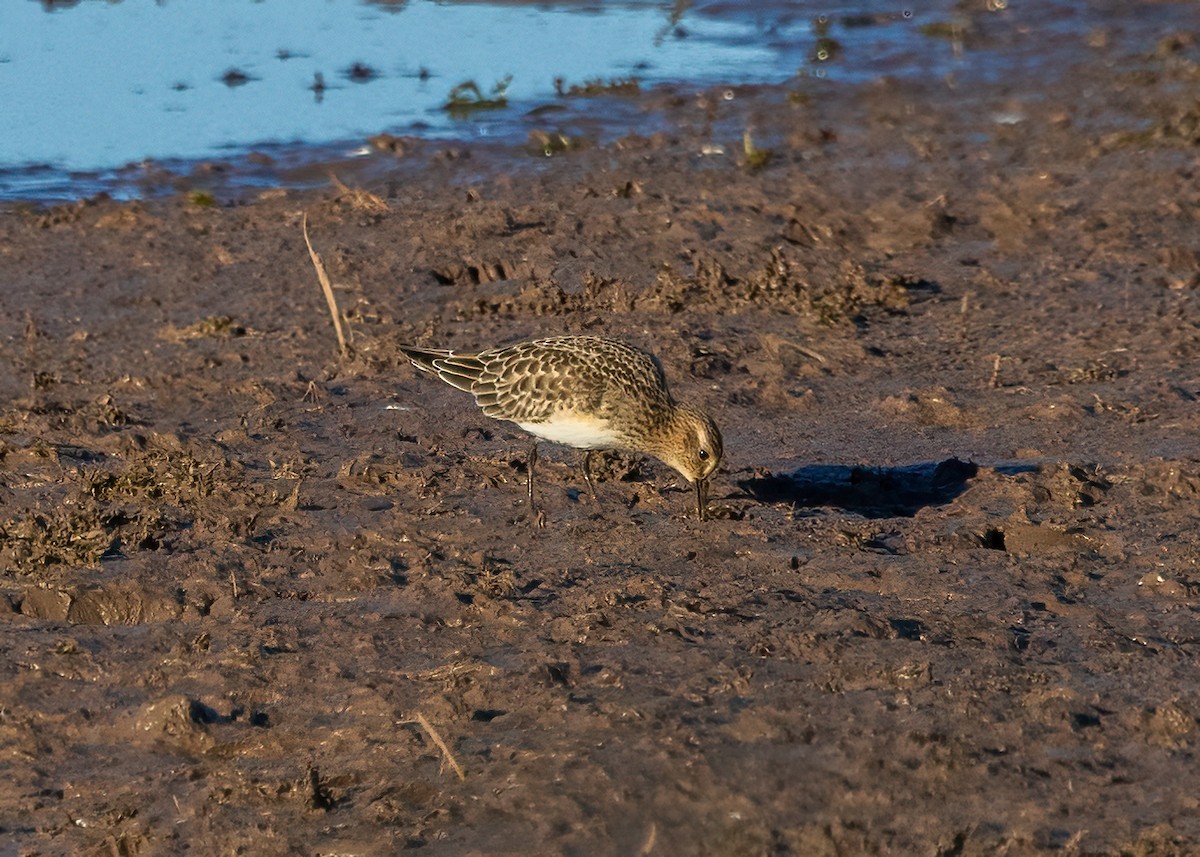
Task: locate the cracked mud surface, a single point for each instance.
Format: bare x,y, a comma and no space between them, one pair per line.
947,603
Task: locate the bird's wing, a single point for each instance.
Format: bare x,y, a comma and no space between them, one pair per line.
528,383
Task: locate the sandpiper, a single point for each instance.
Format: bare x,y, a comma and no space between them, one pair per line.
587,392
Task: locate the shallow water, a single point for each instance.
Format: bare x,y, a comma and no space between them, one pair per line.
98,93
95,86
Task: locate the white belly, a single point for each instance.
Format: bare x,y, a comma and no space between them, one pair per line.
581,432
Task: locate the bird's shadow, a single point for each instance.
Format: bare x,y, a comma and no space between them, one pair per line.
873,492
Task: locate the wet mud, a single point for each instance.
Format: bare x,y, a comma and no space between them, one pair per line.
257,598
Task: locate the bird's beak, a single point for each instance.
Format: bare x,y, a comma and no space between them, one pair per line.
701,485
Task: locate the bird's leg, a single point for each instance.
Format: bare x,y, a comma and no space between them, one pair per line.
537,516
587,476
700,484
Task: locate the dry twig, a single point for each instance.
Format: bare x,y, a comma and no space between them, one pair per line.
651,839
327,287
437,739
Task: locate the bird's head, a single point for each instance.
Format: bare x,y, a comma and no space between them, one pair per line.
693,447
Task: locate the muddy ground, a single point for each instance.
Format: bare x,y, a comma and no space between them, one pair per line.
947,602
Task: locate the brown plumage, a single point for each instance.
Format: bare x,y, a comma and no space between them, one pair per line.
588,392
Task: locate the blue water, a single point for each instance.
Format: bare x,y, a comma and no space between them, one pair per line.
101,84
94,85
89,87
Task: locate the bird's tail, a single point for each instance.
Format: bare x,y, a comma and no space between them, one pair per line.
423,358
457,370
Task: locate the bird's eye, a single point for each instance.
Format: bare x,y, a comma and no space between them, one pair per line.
703,454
